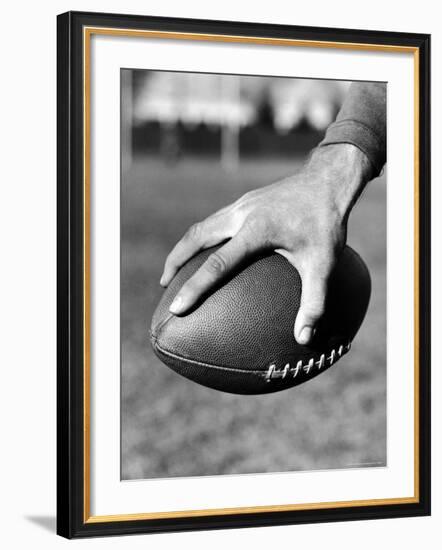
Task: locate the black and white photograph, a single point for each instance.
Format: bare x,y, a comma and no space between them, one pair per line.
221,260
253,274
243,271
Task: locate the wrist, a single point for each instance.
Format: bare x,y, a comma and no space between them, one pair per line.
342,170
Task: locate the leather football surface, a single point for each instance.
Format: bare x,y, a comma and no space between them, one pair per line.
239,338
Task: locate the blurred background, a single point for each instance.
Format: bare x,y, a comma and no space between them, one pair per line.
191,144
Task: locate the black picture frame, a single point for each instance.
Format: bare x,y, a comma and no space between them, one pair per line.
72,520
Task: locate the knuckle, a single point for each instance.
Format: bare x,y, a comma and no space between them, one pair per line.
245,200
216,264
194,233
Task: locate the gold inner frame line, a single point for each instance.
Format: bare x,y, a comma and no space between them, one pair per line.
87,33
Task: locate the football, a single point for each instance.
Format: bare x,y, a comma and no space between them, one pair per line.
239,338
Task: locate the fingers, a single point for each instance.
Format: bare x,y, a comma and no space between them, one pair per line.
215,268
314,292
199,236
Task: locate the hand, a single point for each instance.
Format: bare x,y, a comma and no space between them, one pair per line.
303,218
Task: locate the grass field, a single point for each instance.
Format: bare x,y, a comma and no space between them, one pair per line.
174,427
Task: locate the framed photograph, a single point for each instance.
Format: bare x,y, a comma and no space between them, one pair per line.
243,274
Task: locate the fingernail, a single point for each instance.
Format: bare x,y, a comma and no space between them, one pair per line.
176,305
306,335
163,280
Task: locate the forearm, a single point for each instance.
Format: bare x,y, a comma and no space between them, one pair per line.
362,122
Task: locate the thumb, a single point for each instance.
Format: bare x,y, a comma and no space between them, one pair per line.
314,291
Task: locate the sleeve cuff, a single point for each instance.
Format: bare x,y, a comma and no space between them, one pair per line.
359,135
